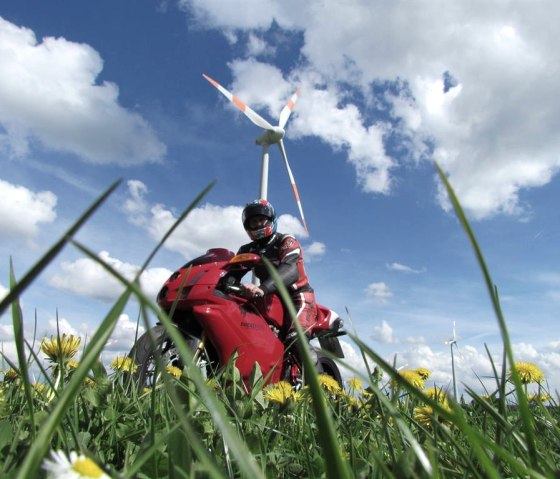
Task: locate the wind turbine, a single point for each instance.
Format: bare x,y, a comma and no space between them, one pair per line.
272,135
453,342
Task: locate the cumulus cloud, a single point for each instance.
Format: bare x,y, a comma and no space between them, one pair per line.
87,277
123,335
474,88
22,211
383,333
315,250
379,291
207,226
49,93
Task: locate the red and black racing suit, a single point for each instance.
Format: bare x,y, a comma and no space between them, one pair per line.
285,253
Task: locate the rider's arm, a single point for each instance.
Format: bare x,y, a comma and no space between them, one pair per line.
288,267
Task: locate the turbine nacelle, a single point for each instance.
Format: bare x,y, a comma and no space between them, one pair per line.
270,137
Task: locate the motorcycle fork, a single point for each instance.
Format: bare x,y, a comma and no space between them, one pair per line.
200,348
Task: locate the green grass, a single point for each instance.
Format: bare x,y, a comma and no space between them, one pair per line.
186,427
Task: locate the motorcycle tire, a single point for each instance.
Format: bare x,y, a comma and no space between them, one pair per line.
144,355
326,365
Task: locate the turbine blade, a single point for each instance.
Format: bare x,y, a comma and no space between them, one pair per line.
252,115
292,181
288,109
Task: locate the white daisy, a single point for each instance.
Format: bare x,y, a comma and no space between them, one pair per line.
74,467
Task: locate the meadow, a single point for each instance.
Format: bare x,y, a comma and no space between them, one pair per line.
84,419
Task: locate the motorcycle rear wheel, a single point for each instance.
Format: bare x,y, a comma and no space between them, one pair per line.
156,343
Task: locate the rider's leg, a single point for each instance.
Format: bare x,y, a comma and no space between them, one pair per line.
306,314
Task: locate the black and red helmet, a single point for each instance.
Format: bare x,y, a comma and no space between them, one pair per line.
259,208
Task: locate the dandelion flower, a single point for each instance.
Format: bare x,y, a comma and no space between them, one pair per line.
90,383
529,373
72,364
60,349
41,388
425,416
411,377
355,384
11,375
124,364
539,397
280,393
73,467
423,373
173,371
437,394
329,384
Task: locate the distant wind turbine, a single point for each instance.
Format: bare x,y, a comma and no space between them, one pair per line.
453,342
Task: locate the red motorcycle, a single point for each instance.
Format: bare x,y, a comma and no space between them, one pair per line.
205,302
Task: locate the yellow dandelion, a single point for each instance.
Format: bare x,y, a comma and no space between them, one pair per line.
72,467
40,388
213,384
425,416
173,371
11,375
280,393
72,364
539,397
355,384
124,364
411,377
437,394
90,383
329,384
60,349
529,373
423,373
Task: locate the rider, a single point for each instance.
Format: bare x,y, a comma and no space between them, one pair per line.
285,253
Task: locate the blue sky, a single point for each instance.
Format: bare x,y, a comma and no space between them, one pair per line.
95,92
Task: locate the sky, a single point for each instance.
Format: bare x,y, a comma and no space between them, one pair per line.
92,92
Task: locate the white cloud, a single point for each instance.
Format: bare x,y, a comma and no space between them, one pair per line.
320,112
256,46
403,268
315,250
493,128
86,277
383,333
122,338
49,93
208,226
61,325
22,211
380,291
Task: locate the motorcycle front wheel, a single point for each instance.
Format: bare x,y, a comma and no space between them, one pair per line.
155,350
326,365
